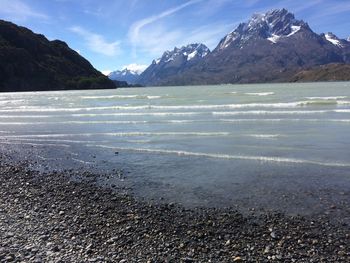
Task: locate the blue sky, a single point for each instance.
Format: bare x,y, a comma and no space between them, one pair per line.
113,34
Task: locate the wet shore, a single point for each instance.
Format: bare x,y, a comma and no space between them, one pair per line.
48,216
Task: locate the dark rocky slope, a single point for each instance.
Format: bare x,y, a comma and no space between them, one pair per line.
29,62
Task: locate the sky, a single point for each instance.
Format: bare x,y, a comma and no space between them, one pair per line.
114,34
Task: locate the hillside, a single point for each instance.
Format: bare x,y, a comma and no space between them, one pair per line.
30,62
330,72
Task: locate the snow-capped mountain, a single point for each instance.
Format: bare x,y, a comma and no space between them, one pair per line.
128,75
273,26
173,63
186,53
269,47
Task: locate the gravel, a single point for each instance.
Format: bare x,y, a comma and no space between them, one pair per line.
49,217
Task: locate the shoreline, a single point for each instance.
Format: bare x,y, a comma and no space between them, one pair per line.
46,216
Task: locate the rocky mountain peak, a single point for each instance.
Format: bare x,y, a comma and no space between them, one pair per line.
273,26
189,52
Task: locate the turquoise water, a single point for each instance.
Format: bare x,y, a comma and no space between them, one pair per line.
196,145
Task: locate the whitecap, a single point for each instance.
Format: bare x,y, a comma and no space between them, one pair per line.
121,134
264,112
180,107
260,93
161,114
327,98
264,136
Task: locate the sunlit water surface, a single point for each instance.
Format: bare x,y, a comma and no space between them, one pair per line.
248,145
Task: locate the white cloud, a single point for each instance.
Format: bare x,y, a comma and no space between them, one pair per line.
17,10
106,72
97,43
138,68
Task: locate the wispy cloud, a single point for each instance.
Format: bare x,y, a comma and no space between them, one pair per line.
334,9
208,34
97,43
151,35
134,31
17,10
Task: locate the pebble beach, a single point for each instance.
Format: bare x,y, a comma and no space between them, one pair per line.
49,217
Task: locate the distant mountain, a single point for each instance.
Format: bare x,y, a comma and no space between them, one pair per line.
270,47
329,72
127,75
173,63
30,62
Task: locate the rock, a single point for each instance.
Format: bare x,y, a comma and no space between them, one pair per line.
9,234
273,235
187,260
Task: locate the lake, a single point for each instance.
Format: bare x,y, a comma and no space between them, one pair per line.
264,146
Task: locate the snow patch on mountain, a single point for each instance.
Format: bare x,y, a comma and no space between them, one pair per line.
333,39
274,38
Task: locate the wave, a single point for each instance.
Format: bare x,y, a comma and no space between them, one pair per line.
103,122
227,156
182,107
161,114
73,122
168,121
138,141
286,120
110,97
28,116
122,97
120,134
323,102
264,112
327,98
264,136
10,101
342,111
260,93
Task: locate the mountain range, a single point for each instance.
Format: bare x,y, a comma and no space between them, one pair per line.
30,62
270,47
128,75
